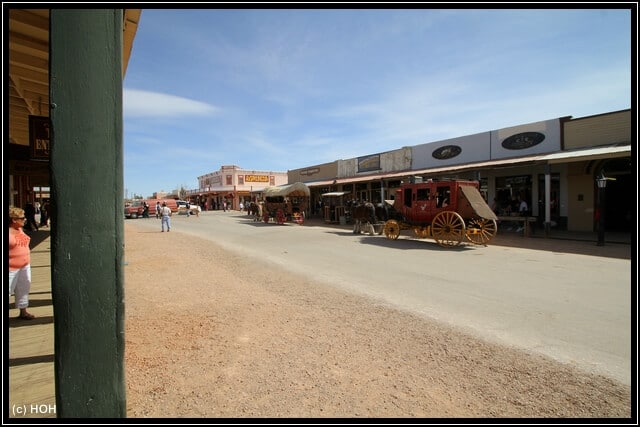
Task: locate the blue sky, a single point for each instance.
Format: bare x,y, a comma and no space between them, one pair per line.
281,89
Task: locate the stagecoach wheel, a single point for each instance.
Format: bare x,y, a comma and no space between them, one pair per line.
481,230
448,229
280,218
392,229
265,217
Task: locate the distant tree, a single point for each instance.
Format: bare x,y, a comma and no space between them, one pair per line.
182,193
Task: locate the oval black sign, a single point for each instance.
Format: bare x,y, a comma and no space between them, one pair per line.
446,152
523,140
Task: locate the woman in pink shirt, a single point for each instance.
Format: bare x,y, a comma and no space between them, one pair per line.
19,262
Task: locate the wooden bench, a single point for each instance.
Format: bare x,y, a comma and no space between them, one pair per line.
523,219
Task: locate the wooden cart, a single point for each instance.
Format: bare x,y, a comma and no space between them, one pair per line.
285,203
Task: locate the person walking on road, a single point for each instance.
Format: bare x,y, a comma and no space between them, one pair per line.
166,217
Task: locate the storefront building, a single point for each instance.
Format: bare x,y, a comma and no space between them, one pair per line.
553,165
233,185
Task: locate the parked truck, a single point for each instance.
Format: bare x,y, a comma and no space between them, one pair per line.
135,209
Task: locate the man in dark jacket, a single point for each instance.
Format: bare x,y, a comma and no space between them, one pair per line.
30,215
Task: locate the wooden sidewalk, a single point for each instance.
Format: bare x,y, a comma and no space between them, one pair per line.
31,342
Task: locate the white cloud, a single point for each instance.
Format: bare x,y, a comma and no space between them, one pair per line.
141,103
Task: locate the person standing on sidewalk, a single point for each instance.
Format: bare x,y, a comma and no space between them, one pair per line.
19,262
30,214
44,215
166,216
523,210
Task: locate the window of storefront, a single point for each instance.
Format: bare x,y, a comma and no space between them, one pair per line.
362,192
376,196
509,189
484,189
392,186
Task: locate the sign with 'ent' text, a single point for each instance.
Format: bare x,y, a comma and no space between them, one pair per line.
39,137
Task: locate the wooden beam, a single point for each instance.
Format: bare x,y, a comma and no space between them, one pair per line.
38,76
37,19
27,61
16,85
86,60
36,87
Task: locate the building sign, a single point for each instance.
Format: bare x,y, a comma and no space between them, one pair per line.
309,172
39,137
369,163
446,152
256,178
523,140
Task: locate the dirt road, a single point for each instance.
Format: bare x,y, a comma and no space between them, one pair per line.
210,333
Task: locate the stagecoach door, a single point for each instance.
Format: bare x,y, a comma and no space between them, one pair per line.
421,207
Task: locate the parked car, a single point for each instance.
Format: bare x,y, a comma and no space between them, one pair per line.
182,207
136,208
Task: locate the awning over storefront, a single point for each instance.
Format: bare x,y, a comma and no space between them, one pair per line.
226,190
407,173
321,183
335,194
588,154
564,156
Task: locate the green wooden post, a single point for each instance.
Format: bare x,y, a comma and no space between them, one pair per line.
87,243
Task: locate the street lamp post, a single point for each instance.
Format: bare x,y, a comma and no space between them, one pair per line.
602,184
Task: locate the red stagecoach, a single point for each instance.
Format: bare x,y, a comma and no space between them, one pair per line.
448,211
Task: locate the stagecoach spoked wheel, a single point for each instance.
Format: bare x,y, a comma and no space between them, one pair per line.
481,230
280,218
265,217
392,229
448,229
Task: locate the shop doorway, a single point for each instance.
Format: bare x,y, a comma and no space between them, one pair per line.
619,195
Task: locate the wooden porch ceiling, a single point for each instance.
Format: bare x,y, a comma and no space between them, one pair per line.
29,65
